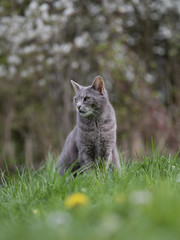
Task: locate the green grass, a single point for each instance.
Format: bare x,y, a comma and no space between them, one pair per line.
141,203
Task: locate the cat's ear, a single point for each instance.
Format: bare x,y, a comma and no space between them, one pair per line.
75,85
98,84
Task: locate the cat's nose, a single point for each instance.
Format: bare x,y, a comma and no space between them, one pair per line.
78,106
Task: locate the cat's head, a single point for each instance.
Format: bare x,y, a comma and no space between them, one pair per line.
91,100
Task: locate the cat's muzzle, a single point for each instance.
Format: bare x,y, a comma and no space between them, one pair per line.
84,113
81,111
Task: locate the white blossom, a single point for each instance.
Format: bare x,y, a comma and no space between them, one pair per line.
66,48
102,36
42,82
126,8
12,71
3,71
159,50
45,16
24,73
14,59
136,2
101,19
49,61
40,57
33,5
5,20
44,7
82,40
68,11
130,22
58,5
165,32
29,49
129,73
74,64
94,9
149,78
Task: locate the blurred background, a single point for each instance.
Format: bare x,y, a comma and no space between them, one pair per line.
134,45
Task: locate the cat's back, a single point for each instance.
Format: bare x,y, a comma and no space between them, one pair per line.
70,150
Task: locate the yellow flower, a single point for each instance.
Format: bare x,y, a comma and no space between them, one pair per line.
76,199
36,211
120,198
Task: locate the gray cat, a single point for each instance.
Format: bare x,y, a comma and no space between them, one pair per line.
93,139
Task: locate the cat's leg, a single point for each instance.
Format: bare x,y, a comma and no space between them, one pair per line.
67,164
62,166
85,161
112,158
107,160
69,157
115,158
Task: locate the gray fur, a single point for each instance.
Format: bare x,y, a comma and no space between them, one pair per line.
94,136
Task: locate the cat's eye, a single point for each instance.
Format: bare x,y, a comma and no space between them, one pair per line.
75,99
86,99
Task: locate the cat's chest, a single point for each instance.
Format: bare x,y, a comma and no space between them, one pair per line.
96,139
94,135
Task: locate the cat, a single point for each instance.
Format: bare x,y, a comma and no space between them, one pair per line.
93,139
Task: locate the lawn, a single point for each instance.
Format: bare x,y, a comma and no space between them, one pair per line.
143,202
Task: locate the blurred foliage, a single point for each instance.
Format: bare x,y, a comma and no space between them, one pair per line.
134,45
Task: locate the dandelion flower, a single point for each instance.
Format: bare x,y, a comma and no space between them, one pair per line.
120,198
76,199
36,212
